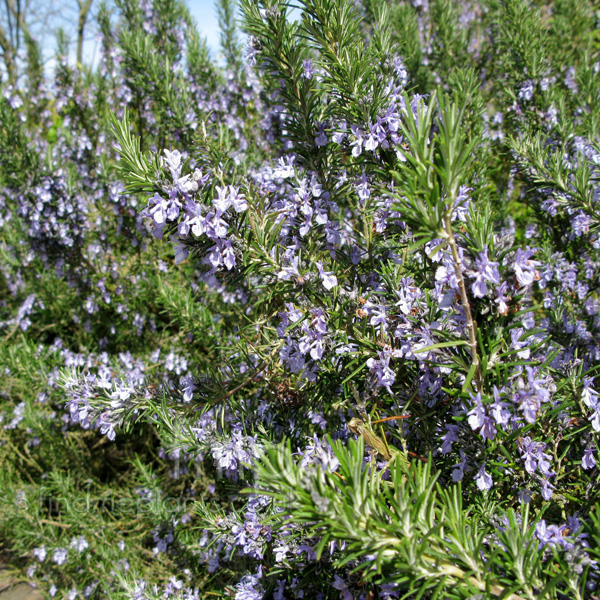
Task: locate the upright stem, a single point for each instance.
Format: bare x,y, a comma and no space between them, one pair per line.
84,9
471,325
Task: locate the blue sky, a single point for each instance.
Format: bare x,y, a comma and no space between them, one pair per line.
205,13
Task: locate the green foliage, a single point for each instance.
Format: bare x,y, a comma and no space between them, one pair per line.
373,289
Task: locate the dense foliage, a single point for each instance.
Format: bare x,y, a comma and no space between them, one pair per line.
320,320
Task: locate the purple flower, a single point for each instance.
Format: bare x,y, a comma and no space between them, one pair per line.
501,299
487,272
498,409
187,386
357,142
461,205
309,69
40,553
251,50
371,142
362,188
339,135
589,460
548,534
535,458
290,271
483,479
79,543
340,585
526,91
328,278
223,200
525,267
449,438
281,551
173,162
478,419
159,210
547,489
588,394
319,453
459,468
378,314
580,223
518,342
60,556
531,393
249,588
595,419
476,414
230,454
321,139
181,253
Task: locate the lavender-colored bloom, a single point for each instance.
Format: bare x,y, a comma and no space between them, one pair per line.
60,556
548,534
499,410
230,455
595,419
223,200
580,222
461,205
40,553
158,211
477,413
187,386
173,162
213,563
378,315
588,394
290,271
532,393
588,460
278,591
528,453
525,267
483,479
318,452
309,69
449,438
79,543
501,299
478,419
487,272
526,91
535,458
488,429
547,489
281,551
327,277
251,50
357,142
162,540
459,468
291,315
371,141
362,189
570,80
519,343
321,138
285,167
340,585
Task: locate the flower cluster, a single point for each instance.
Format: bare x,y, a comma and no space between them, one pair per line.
358,280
